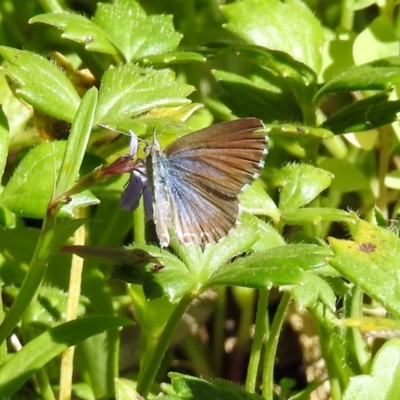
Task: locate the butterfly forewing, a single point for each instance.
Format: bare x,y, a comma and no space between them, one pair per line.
227,155
197,178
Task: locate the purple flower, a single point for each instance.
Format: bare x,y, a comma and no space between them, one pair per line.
136,187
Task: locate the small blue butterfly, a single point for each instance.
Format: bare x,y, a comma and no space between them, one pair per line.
195,181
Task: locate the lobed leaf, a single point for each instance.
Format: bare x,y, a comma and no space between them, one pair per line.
136,34
274,25
283,265
79,29
41,83
301,183
370,261
129,90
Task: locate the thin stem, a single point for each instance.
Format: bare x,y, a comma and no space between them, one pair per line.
74,292
3,347
383,169
358,357
245,299
332,348
46,391
260,332
271,346
347,16
218,330
156,347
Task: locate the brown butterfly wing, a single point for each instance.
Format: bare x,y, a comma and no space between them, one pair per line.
198,177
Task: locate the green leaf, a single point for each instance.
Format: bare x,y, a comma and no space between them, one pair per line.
255,272
268,237
56,237
82,199
33,184
392,180
79,29
380,37
77,142
314,215
275,67
363,115
41,83
277,266
7,218
239,240
300,133
49,308
123,391
39,351
355,5
4,140
129,90
30,189
300,33
255,200
370,261
114,256
301,183
190,387
380,74
257,97
136,34
313,288
374,327
384,381
348,177
171,58
13,256
173,281
281,64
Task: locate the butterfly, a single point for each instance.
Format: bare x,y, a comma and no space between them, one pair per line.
195,181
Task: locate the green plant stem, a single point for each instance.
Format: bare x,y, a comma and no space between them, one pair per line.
245,299
74,291
218,331
156,347
3,346
261,331
358,357
347,16
383,169
271,346
332,349
199,362
46,391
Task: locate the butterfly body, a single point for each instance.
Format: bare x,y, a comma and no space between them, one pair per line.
197,178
